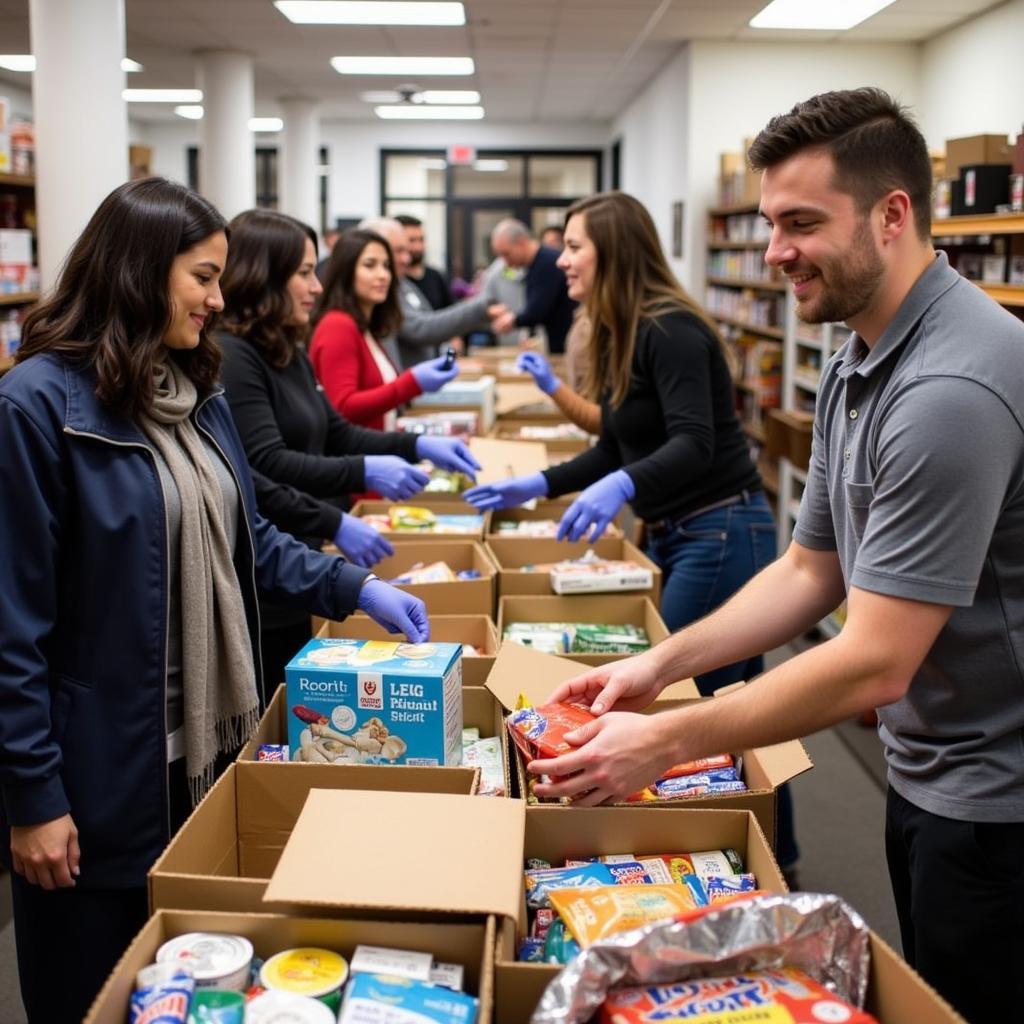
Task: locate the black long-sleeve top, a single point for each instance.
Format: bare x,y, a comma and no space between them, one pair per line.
547,299
675,433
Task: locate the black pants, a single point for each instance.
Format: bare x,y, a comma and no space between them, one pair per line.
279,644
959,889
85,931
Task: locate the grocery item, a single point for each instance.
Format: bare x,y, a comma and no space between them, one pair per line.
559,946
578,637
423,572
447,975
217,960
377,999
592,914
703,864
592,574
540,732
375,702
538,528
440,424
162,994
415,519
272,752
785,995
400,963
542,882
307,971
445,481
215,1006
287,1008
721,887
486,754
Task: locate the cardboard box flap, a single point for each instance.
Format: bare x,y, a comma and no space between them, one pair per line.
503,459
512,396
421,852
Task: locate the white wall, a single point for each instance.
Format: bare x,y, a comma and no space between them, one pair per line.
972,77
711,97
20,99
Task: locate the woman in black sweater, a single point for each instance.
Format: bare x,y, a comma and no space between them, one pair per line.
670,442
306,460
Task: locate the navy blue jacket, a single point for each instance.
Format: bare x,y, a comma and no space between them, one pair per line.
547,299
83,612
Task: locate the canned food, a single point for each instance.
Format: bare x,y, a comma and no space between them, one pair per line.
287,1008
307,971
217,961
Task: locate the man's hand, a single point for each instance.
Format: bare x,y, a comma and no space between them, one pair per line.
616,755
628,685
503,321
46,854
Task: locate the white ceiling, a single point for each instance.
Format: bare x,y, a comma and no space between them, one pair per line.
536,60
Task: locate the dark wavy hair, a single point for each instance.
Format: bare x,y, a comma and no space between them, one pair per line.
874,143
266,250
339,286
111,306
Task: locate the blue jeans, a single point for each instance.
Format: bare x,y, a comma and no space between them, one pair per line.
704,560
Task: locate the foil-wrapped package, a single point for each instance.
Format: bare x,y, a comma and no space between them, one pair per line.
819,934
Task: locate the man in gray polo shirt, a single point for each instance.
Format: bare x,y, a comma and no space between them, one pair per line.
914,513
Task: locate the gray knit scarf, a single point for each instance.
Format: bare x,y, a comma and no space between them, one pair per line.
218,678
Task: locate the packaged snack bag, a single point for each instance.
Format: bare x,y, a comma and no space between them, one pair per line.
592,914
542,882
540,731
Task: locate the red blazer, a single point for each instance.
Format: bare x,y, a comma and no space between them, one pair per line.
349,374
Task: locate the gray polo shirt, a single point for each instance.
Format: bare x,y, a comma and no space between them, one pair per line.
917,481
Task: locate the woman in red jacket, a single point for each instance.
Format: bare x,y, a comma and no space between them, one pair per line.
356,313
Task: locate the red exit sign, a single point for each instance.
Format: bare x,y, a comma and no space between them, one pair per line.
461,154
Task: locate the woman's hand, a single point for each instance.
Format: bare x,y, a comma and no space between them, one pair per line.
393,477
395,610
539,369
507,493
361,543
431,374
46,854
448,453
597,506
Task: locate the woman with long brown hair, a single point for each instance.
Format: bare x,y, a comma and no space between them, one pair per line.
358,309
306,459
131,555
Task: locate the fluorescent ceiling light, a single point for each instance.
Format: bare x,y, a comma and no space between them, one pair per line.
191,111
411,112
370,12
27,62
163,95
822,15
265,124
432,164
490,165
464,96
403,65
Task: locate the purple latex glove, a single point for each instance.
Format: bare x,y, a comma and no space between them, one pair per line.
395,610
393,477
537,367
448,453
507,493
597,506
431,373
360,542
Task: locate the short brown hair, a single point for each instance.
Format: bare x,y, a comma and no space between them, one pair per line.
874,143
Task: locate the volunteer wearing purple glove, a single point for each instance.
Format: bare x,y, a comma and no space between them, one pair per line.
539,369
597,506
394,609
433,374
448,453
507,493
306,459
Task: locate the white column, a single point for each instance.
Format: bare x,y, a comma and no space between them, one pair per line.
81,124
227,160
299,160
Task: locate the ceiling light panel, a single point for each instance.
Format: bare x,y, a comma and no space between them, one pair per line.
27,62
403,65
370,12
190,111
265,124
162,95
817,15
464,96
422,112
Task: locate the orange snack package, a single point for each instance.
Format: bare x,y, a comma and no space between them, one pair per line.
781,996
591,914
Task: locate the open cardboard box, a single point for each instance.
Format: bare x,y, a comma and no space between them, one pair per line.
460,597
509,428
501,460
449,504
480,710
526,399
615,609
477,630
470,945
545,508
519,670
510,554
424,856
224,855
472,394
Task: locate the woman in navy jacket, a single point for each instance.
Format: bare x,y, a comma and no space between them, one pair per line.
112,660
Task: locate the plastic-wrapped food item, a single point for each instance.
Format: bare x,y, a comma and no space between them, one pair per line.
440,424
541,731
547,637
703,863
422,572
722,887
542,882
814,933
559,946
600,638
596,913
486,755
376,999
272,752
162,994
446,481
786,996
214,1006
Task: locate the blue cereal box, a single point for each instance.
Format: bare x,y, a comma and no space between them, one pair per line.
379,999
375,702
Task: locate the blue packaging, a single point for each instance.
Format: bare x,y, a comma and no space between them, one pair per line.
375,999
375,702
162,994
540,882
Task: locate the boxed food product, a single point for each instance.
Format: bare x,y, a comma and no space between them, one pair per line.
375,702
976,149
478,395
590,574
450,423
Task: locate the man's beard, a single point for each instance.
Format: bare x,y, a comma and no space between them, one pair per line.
851,282
415,259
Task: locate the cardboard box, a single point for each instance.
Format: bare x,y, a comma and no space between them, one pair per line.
546,508
520,670
462,597
976,149
469,944
442,505
431,856
510,429
477,395
526,399
224,855
510,554
503,459
477,630
383,701
896,993
635,609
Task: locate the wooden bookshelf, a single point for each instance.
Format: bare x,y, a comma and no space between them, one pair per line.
749,282
17,180
19,299
776,333
982,224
